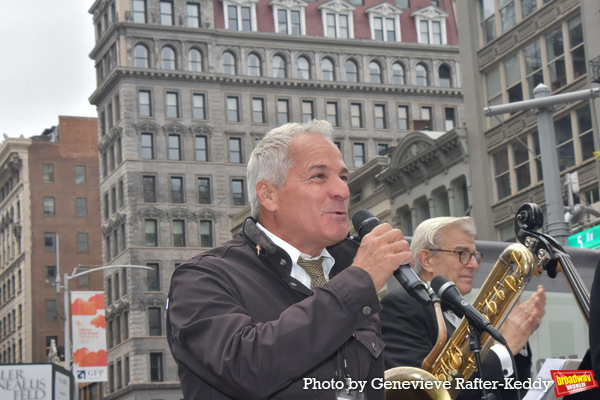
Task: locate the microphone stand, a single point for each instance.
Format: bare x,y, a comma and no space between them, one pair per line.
475,345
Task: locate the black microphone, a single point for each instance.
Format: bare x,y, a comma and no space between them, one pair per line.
449,293
364,222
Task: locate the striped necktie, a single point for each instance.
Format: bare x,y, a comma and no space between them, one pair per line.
314,268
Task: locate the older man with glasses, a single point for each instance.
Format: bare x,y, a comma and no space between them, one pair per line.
446,246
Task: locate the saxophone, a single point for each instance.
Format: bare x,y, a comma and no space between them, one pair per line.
496,298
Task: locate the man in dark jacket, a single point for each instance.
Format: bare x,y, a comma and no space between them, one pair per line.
246,321
446,246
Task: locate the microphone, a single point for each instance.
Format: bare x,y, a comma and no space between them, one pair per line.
364,222
449,293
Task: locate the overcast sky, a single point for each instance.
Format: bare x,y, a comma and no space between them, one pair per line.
45,69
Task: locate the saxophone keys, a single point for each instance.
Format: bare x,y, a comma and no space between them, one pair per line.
492,307
500,294
511,282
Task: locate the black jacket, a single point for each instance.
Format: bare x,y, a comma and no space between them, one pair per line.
240,327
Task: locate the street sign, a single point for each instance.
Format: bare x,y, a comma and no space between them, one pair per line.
588,239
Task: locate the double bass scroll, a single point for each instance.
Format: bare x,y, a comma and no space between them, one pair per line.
549,254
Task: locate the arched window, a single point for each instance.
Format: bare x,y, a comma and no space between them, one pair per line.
445,80
279,67
195,60
398,73
228,61
140,56
374,72
327,69
253,65
167,56
303,68
421,75
351,71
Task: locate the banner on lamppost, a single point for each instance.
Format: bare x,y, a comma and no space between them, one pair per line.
89,336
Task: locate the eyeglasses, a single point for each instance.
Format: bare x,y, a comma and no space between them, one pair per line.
464,256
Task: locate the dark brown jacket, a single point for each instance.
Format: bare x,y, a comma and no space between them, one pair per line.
240,327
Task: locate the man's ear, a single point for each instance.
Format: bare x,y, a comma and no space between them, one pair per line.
424,256
266,195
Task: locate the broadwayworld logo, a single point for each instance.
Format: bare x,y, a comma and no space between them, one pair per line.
572,381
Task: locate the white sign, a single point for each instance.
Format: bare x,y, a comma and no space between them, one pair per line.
89,336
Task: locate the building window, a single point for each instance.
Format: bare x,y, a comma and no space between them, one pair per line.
279,70
431,24
332,113
174,147
258,110
83,280
308,112
380,116
382,149
154,321
512,70
422,79
49,206
193,15
149,188
51,313
239,18
398,73
201,144
359,154
151,234
144,103
48,173
403,121
426,115
80,175
445,78
228,61
337,17
153,277
204,194
82,242
166,12
356,118
198,106
233,109
303,68
139,11
351,71
167,56
50,274
195,60
172,104
81,207
206,234
235,151
374,72
502,173
49,242
237,192
253,65
156,367
327,71
449,118
179,233
177,189
283,111
290,22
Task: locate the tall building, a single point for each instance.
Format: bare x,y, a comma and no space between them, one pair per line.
49,204
184,91
508,48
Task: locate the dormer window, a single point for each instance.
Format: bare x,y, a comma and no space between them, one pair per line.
338,19
240,15
289,16
384,21
431,25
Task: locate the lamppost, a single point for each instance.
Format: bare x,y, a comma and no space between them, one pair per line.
67,304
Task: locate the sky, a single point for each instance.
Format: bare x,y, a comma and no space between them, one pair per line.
45,68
